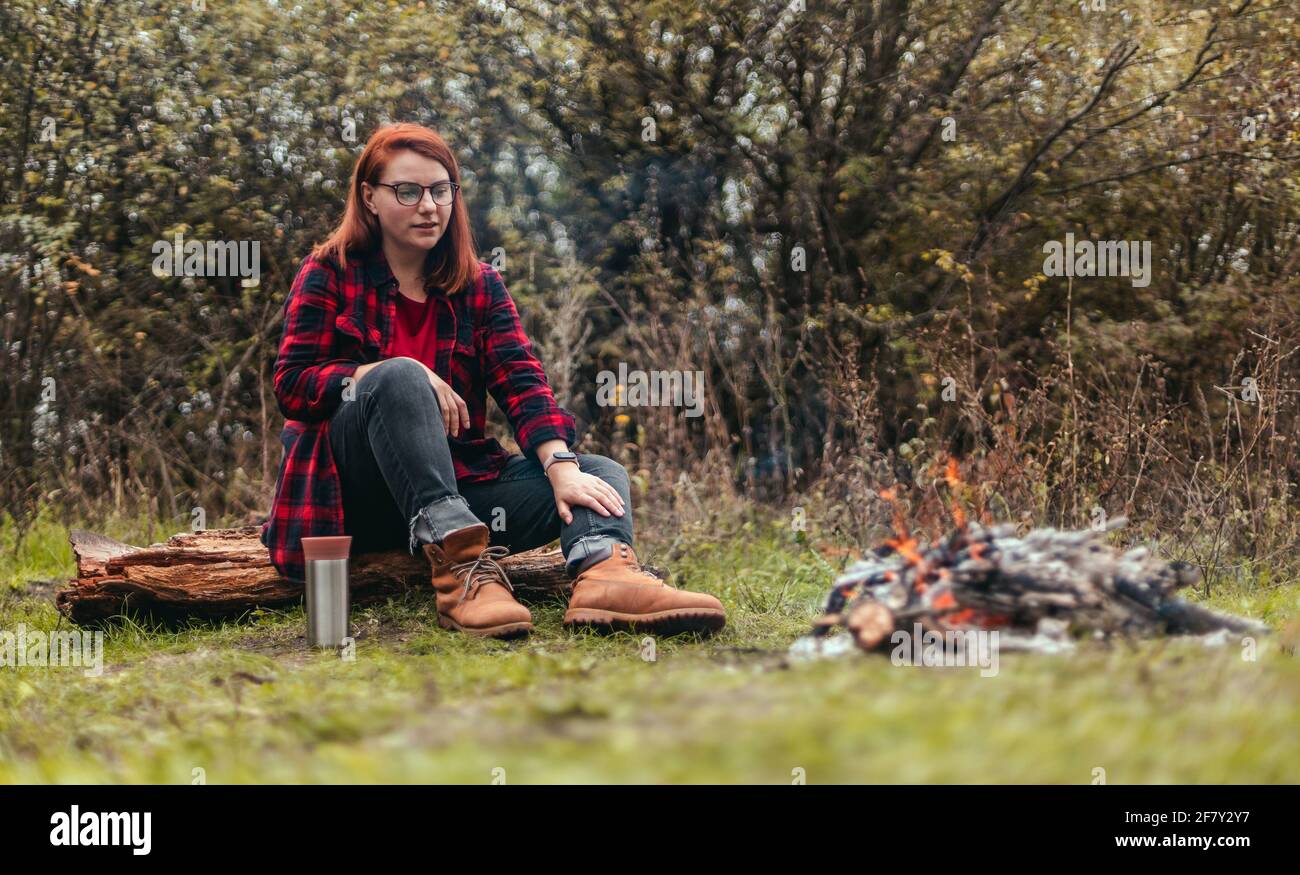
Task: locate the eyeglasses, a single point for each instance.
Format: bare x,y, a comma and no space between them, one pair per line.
411,193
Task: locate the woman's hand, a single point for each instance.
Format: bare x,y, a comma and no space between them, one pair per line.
455,415
575,487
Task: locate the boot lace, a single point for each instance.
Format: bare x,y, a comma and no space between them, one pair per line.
486,566
636,565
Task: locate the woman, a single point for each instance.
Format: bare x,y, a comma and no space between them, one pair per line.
393,333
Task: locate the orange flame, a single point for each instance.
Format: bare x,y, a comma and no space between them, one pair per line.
900,525
952,476
952,613
906,547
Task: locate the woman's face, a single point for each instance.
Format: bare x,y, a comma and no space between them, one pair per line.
421,225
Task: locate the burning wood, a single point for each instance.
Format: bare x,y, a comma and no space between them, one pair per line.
1033,589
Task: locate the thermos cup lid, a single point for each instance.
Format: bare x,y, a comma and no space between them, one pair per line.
329,547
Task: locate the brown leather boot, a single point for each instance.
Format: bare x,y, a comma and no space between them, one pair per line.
474,594
617,594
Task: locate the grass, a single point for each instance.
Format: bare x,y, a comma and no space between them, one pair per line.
247,702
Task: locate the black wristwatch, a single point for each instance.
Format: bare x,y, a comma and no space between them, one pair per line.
562,456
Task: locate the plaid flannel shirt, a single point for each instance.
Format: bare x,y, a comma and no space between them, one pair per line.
338,319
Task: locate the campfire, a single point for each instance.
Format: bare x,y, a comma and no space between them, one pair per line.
1038,590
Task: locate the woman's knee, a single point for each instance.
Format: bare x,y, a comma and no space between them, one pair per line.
401,375
607,469
403,381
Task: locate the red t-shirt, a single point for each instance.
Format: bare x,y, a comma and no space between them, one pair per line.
417,330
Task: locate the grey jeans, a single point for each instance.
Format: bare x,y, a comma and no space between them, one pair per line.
399,484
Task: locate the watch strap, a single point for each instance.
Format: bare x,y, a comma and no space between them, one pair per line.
562,456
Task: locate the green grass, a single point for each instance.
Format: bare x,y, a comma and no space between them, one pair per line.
247,702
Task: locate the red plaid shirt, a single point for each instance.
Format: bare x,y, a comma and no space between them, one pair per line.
336,320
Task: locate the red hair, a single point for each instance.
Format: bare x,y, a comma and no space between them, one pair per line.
450,265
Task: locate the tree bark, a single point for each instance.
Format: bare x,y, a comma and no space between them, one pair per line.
226,572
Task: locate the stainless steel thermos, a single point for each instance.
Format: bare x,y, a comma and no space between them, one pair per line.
328,603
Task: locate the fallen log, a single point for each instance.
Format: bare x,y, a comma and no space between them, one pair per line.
226,572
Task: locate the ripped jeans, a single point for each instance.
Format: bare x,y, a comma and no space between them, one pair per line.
399,484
